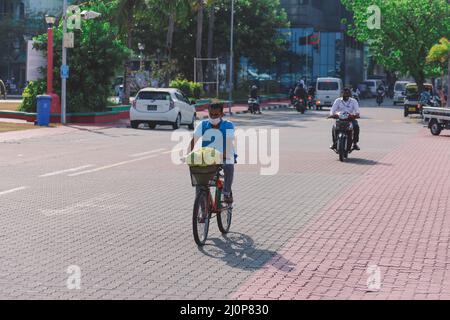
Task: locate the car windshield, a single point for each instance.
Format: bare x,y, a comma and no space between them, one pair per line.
148,95
369,84
328,85
400,87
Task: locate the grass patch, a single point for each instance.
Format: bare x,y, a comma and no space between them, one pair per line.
10,106
6,126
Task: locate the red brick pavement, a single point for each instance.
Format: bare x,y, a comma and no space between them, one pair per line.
397,217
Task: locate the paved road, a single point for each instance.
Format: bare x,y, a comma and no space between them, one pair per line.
110,201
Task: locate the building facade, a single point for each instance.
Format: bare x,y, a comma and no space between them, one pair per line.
318,43
20,20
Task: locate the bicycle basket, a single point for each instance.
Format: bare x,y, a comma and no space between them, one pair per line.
203,175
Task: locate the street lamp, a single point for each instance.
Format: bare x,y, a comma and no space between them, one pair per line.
141,48
230,95
50,20
85,15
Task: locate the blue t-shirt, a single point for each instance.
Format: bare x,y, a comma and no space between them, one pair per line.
211,137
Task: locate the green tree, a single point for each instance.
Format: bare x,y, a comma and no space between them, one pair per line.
123,15
97,55
440,53
408,30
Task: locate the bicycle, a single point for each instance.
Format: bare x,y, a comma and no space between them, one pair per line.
206,179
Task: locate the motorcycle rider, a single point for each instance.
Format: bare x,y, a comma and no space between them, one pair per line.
254,95
425,97
350,105
300,92
355,93
381,92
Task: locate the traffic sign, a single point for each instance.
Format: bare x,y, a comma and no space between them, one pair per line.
64,71
68,40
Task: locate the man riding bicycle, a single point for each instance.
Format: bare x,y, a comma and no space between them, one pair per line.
218,134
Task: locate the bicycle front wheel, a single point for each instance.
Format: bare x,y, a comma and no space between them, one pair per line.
200,218
224,215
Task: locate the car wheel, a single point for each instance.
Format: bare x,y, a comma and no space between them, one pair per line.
192,124
134,124
435,128
152,126
177,123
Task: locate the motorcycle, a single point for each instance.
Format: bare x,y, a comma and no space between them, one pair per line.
311,102
380,97
344,134
299,105
253,106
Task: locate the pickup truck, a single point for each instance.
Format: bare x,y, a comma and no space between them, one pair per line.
438,119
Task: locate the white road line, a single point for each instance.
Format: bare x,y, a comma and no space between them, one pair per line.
146,153
12,190
110,166
65,171
170,151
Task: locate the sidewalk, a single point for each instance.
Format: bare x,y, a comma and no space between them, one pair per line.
392,229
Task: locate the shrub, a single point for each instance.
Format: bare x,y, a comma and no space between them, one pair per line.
30,93
189,88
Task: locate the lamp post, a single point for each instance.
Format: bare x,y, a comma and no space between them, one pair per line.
50,20
85,15
230,95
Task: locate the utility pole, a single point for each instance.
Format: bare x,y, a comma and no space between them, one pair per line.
64,62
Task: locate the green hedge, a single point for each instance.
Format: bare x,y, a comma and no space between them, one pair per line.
189,88
34,88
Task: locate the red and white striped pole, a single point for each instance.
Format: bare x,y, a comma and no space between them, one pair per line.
50,60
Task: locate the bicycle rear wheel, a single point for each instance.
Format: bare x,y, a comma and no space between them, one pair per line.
201,217
224,216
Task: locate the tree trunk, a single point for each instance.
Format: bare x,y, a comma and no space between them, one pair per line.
127,74
169,38
199,40
212,18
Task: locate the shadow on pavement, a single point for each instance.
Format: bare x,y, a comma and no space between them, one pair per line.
365,162
238,251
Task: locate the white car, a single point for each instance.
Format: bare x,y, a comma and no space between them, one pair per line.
162,106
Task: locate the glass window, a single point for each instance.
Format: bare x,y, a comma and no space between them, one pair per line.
400,87
148,95
328,85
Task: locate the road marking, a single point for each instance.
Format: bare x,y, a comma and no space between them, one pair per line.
12,190
110,166
146,153
65,171
170,151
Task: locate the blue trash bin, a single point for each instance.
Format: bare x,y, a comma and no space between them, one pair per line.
43,110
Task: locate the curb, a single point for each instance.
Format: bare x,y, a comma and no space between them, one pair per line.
273,107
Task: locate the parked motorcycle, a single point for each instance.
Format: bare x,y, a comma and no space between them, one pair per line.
253,106
344,134
300,105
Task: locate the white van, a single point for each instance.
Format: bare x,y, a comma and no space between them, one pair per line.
399,92
327,91
372,86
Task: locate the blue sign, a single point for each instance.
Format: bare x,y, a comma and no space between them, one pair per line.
64,71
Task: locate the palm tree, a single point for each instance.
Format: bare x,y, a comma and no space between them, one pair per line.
441,53
124,17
